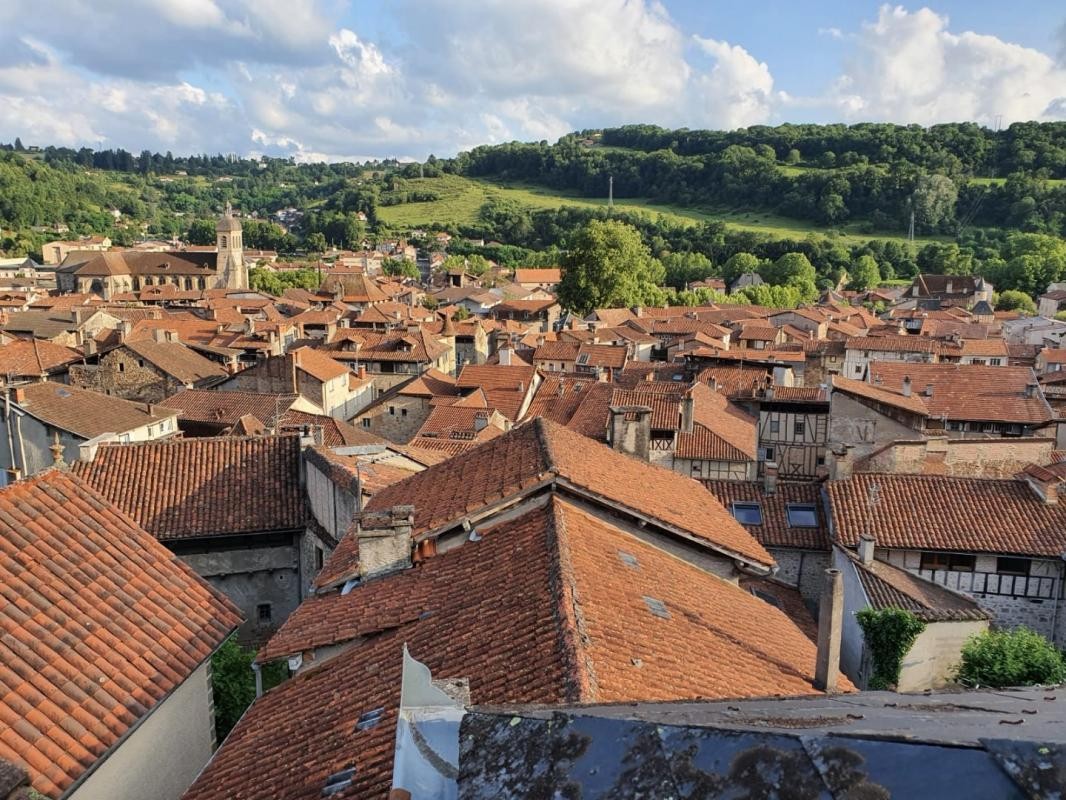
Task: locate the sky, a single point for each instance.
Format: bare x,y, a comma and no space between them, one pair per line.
359,79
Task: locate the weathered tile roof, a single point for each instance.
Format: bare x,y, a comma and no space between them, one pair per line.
98,623
506,387
176,360
85,413
203,487
895,344
225,408
537,275
969,515
556,351
335,432
888,586
558,397
570,621
318,364
35,357
538,453
968,391
775,530
914,404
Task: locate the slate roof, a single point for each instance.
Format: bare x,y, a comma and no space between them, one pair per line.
775,530
98,624
569,622
538,453
85,413
968,515
203,487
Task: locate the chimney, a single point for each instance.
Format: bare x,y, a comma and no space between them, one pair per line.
159,334
638,311
362,371
1044,484
769,478
929,390
1030,390
830,619
20,395
686,413
385,540
125,328
632,436
505,357
89,346
843,462
906,385
866,548
249,325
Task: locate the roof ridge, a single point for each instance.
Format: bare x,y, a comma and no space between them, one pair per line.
544,441
573,631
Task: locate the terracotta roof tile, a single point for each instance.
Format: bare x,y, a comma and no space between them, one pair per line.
775,530
888,586
89,599
969,515
35,357
506,387
571,623
203,487
85,413
176,360
225,408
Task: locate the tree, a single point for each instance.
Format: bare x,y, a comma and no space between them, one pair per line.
793,156
934,201
864,274
201,232
400,268
737,265
316,242
1013,300
233,683
473,264
1018,657
609,266
683,268
796,271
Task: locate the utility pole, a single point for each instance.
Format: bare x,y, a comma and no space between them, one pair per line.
610,192
910,230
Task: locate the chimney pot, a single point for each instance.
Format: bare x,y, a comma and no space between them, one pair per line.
830,621
770,477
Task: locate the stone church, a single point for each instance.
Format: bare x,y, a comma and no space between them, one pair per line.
116,271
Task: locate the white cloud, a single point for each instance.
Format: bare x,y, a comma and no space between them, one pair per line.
738,91
909,68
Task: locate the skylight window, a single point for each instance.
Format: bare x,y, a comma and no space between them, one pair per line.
628,559
369,719
802,515
747,513
657,607
338,781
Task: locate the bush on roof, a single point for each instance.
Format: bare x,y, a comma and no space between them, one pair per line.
1018,657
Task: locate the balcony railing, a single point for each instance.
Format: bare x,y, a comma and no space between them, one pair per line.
1032,587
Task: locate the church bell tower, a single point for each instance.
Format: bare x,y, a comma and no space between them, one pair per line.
232,273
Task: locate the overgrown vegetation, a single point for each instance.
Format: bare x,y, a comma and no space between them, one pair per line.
889,634
1017,657
275,283
233,683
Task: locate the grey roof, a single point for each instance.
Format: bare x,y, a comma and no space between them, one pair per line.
973,745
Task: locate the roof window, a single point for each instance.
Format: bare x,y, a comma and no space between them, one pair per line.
628,559
802,515
338,781
747,513
369,719
657,607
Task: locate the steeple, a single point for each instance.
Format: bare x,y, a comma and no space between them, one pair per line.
232,274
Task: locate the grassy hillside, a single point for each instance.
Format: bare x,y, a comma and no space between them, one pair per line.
460,198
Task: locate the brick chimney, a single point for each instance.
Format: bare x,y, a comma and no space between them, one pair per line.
769,477
830,622
385,540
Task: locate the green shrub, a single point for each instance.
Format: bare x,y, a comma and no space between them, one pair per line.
233,683
1018,657
890,634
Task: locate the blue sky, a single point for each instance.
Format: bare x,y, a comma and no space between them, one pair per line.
332,79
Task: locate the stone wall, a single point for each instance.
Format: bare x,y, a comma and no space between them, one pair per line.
852,423
122,373
396,418
973,458
804,569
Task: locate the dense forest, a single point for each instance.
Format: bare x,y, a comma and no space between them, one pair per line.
994,200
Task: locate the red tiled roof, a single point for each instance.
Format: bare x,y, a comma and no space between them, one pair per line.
571,622
85,413
537,275
602,355
505,387
98,624
176,360
35,357
225,408
556,351
968,391
318,364
970,515
537,453
558,397
775,530
913,404
895,344
888,586
203,487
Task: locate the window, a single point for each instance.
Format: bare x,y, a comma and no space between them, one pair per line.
121,366
263,613
140,362
799,427
995,362
392,411
802,515
747,513
956,562
320,558
403,412
366,422
858,369
768,453
1006,565
775,426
